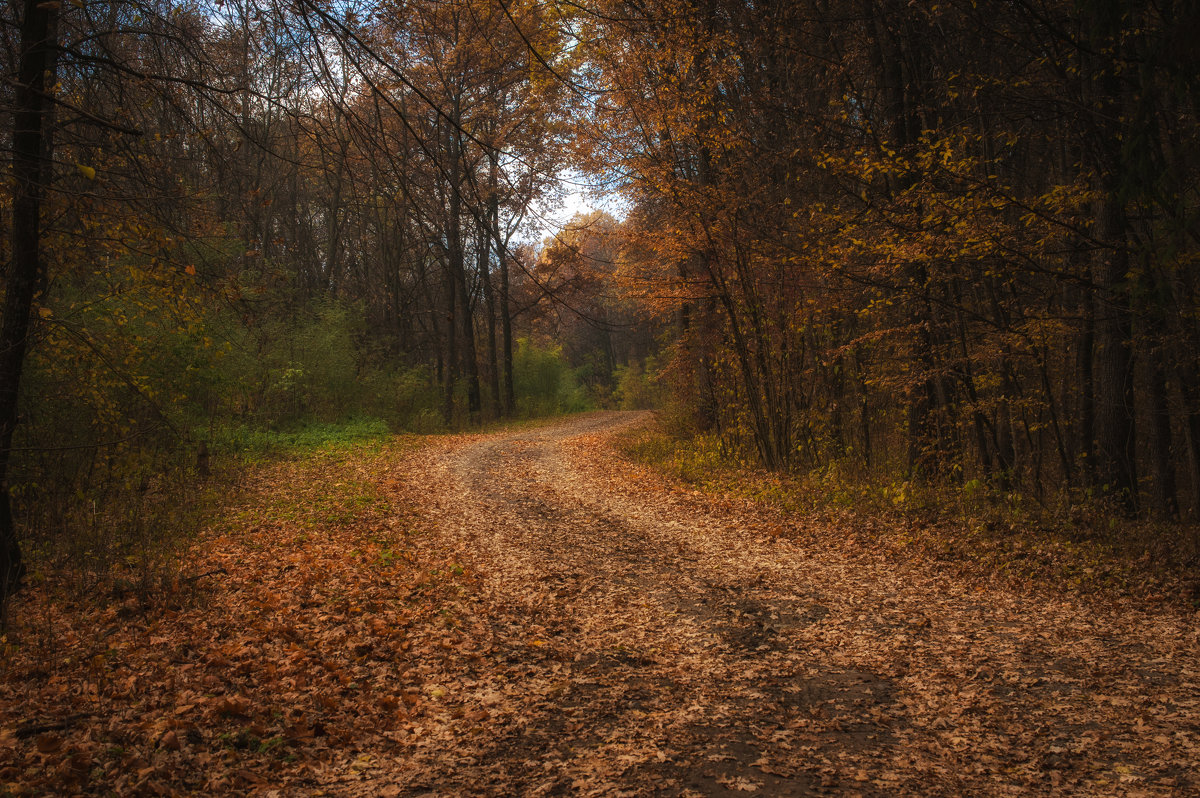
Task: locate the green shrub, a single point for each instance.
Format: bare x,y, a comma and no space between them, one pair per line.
544,383
416,399
636,388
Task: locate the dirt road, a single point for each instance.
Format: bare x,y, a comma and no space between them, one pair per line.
629,638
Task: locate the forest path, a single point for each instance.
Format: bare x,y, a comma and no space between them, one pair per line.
630,637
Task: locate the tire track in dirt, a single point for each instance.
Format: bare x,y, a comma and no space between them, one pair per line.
642,641
672,655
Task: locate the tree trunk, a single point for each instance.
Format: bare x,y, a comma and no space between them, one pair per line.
510,399
1112,352
489,231
1166,503
901,94
1086,432
450,368
489,301
457,298
745,360
458,274
1188,379
31,143
1112,365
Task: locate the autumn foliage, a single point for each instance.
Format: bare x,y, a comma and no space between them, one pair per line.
948,242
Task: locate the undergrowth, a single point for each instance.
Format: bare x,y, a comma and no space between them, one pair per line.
129,541
973,527
253,442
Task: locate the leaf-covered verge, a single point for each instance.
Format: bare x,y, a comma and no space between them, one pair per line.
296,625
972,528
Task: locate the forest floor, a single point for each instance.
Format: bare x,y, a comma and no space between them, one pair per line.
525,612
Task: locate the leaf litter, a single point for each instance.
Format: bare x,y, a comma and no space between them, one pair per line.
525,612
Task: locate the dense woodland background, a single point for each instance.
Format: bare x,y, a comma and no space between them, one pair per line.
905,244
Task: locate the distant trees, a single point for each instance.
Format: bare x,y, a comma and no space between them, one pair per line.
580,293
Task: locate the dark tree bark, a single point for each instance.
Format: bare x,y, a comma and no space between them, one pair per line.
1112,352
1187,377
1112,370
894,56
450,367
487,232
1166,502
1086,413
506,335
483,261
458,275
31,144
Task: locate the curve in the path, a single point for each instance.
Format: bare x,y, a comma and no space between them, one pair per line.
644,641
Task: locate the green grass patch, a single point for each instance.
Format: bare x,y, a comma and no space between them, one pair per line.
251,442
326,477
